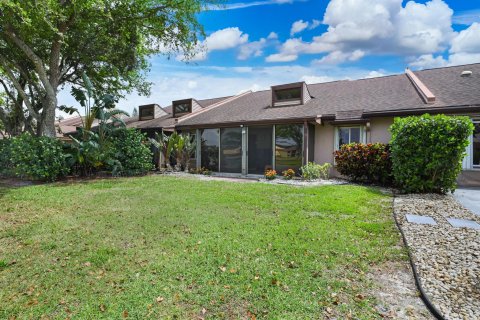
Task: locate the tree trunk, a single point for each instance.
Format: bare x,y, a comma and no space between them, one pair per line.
46,126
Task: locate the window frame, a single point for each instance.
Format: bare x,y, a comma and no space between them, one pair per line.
144,109
181,102
473,165
363,135
287,102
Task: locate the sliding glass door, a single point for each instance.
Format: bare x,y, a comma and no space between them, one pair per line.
288,147
260,149
231,150
210,145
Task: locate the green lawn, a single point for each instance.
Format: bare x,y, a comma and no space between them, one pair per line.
181,248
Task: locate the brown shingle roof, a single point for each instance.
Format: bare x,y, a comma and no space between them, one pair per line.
168,120
382,94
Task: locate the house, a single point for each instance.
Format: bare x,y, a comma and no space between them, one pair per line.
290,124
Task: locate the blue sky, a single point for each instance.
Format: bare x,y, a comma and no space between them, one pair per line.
252,45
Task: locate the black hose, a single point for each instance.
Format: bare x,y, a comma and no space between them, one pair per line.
433,310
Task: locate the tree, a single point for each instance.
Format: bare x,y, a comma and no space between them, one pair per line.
45,45
135,112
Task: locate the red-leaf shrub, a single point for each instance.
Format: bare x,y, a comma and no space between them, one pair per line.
369,163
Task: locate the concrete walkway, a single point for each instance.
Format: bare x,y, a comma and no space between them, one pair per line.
469,198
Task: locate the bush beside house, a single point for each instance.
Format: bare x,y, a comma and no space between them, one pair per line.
130,153
370,163
37,158
427,151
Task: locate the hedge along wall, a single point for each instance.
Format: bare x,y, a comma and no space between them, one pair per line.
427,151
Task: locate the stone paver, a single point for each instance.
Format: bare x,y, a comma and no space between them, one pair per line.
462,223
413,218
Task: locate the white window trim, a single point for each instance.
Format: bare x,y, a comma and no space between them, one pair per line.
363,135
473,166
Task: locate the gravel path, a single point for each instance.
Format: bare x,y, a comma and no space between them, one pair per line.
447,258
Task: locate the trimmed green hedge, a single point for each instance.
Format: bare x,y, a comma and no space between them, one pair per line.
427,151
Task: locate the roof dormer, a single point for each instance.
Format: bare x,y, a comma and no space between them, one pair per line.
185,106
150,111
290,94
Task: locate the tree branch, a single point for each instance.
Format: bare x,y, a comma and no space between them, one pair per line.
17,86
37,62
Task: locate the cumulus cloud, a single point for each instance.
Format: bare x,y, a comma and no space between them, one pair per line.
465,49
254,48
376,27
223,39
298,26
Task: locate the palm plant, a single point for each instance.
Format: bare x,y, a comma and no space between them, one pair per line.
185,147
165,146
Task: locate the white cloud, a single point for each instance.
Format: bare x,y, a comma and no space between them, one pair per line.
424,28
223,39
428,61
272,36
315,23
337,57
281,57
298,26
465,49
254,48
376,27
375,74
468,40
316,79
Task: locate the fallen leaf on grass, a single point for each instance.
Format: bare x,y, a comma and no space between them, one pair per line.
125,314
222,268
159,299
102,307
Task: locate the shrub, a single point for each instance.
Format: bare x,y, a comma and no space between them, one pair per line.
369,163
427,151
313,171
270,174
5,155
130,153
38,158
288,174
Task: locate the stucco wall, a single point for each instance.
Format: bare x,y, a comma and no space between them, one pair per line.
324,140
379,130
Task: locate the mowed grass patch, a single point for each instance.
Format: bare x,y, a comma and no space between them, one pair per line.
170,247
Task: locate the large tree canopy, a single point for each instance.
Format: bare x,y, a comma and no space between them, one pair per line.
47,44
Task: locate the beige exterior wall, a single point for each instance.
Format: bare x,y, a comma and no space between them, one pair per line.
379,130
324,143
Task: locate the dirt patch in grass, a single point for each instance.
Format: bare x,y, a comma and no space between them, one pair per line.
395,290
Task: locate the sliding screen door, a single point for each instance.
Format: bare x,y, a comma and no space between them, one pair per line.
231,150
260,150
210,144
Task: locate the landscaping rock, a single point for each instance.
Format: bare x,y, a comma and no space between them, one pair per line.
446,257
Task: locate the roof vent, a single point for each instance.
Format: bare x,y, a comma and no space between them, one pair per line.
466,73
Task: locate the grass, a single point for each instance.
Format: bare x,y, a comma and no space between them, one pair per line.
181,248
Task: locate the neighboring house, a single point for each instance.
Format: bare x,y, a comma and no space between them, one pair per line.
288,125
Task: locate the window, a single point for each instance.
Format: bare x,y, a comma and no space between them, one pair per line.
147,112
346,135
288,94
288,147
182,108
476,145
